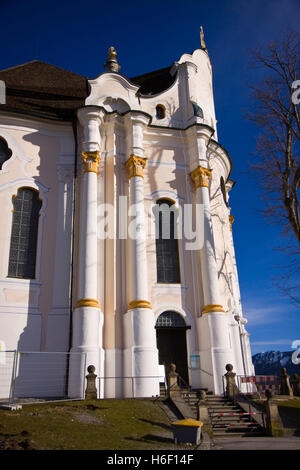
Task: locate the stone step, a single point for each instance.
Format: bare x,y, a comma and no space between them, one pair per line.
224,409
229,425
234,435
236,427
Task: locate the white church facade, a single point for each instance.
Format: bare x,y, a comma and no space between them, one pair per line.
89,172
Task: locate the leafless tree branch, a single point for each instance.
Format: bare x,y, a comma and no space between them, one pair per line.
276,115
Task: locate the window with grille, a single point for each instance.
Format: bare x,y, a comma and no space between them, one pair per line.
22,255
5,152
167,255
170,319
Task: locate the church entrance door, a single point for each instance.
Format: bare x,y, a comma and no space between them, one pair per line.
171,342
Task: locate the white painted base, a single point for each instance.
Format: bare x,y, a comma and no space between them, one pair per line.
87,340
112,385
140,354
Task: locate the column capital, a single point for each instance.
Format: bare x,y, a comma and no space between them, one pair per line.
135,166
90,113
201,177
231,220
91,161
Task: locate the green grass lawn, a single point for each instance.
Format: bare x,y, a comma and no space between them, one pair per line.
88,425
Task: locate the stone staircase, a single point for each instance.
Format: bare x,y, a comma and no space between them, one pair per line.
227,419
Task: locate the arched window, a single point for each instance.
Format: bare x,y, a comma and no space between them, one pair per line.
5,152
23,242
170,319
160,111
167,255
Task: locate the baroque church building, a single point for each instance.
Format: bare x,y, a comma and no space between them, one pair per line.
89,171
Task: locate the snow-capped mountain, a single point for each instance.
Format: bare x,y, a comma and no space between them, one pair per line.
270,362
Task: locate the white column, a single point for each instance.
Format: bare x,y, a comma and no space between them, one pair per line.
140,354
217,350
87,322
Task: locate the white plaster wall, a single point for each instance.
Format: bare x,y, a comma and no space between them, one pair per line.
38,147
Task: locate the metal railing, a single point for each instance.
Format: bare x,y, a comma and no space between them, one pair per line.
118,388
247,387
30,376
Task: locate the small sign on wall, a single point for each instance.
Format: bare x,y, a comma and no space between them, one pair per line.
195,361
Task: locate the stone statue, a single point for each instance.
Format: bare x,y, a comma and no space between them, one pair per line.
296,385
231,387
172,379
285,387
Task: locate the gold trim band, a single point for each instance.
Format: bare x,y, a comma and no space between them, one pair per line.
231,220
88,303
212,308
139,304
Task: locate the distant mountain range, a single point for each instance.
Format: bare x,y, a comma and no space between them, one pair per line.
270,363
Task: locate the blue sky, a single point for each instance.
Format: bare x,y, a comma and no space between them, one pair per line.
149,35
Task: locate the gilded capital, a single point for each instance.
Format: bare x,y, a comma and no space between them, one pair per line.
231,220
201,177
91,161
135,166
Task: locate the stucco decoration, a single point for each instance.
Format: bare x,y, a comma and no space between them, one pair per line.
111,91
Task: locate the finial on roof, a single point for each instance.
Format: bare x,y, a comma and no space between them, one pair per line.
203,45
111,64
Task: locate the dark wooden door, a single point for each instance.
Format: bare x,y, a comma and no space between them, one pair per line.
171,344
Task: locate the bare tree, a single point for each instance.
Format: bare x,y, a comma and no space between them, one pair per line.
276,114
